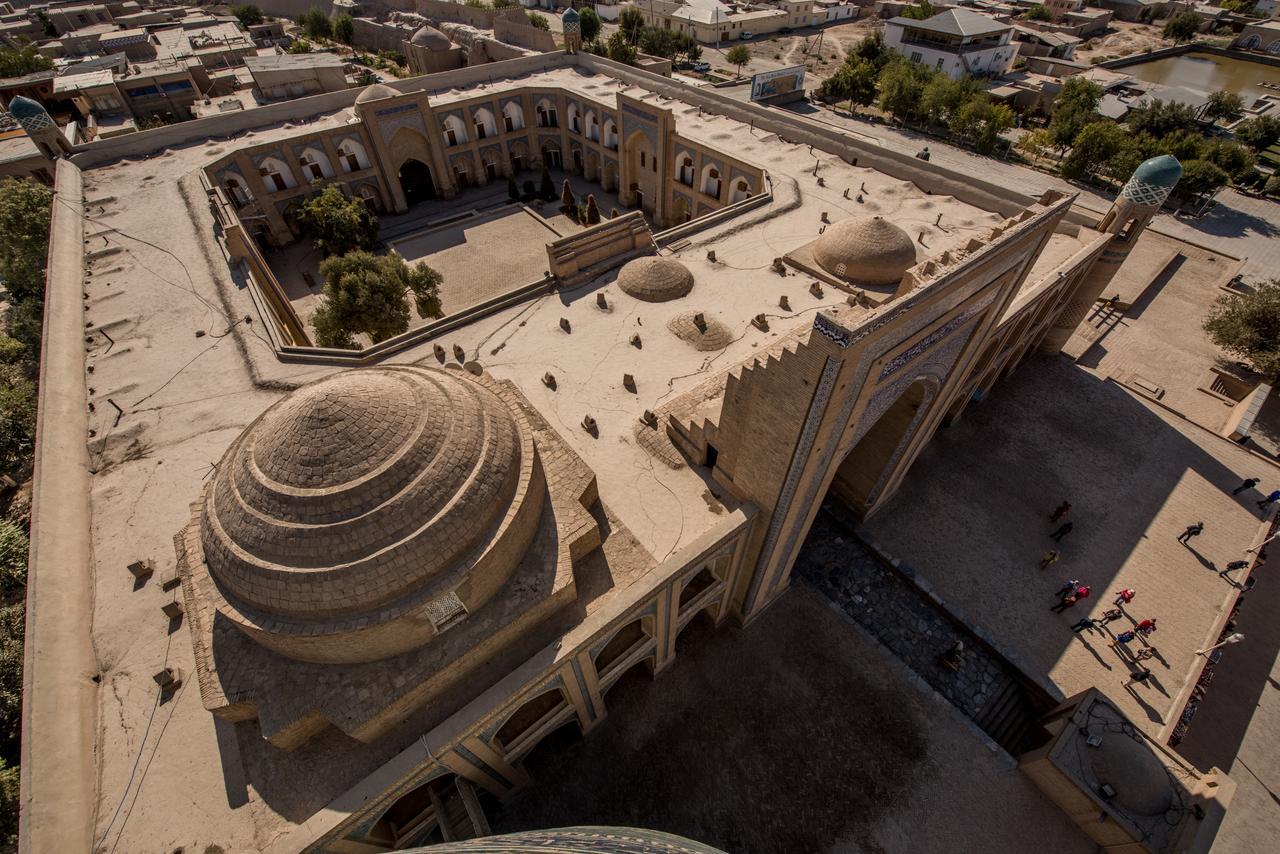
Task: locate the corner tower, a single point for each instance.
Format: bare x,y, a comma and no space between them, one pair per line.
1130,213
39,125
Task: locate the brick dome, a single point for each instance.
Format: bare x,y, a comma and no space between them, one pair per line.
865,251
655,279
364,513
376,92
430,38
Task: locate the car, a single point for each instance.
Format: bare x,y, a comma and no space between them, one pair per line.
701,66
746,34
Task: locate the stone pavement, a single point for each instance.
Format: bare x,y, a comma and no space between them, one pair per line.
972,517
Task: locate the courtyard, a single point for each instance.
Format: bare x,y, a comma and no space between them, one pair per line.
973,519
481,242
798,734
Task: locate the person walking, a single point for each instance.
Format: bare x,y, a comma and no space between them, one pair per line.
1061,510
1142,676
1084,623
1145,653
1067,587
1272,498
1062,531
1110,616
1249,483
1235,564
1050,558
1070,600
1125,638
1192,531
1125,596
1145,627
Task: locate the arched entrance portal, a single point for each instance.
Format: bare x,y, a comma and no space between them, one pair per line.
863,474
415,180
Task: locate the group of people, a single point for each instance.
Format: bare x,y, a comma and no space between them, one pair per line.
1250,483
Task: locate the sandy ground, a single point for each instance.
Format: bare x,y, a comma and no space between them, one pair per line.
821,50
972,517
1121,39
804,712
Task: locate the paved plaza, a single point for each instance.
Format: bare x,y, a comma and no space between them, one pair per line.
800,733
972,518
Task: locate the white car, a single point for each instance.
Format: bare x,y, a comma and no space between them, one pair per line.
746,34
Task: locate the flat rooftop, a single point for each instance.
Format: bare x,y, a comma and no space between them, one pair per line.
285,61
187,395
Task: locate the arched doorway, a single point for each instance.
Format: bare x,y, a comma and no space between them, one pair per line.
416,182
861,477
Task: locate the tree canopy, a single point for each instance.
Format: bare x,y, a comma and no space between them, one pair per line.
920,11
344,29
1182,27
738,55
1074,107
589,24
17,62
315,23
1094,146
1248,326
26,209
1259,133
369,294
337,224
247,14
1224,107
1160,118
538,21
630,23
1039,12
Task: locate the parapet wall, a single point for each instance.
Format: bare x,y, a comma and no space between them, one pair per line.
590,252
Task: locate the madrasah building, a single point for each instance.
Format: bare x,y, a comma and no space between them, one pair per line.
397,569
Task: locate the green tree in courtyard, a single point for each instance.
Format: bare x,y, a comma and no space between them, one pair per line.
870,48
982,121
16,62
920,11
337,224
17,421
1231,157
1096,144
538,21
315,23
1200,178
299,46
942,97
1074,107
1259,133
630,23
589,24
1248,326
593,210
1224,107
567,199
344,29
738,55
248,15
1182,144
26,209
369,294
1039,12
1161,118
901,86
1182,27
619,49
855,80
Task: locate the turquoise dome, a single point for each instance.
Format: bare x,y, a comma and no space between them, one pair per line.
1162,171
570,14
25,108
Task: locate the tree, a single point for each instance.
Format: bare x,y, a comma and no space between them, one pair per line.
9,805
920,12
12,620
1039,12
692,50
337,224
1182,144
901,85
1231,157
315,23
941,97
1074,107
369,294
738,55
1259,133
1096,144
1181,27
17,62
567,199
17,421
1134,150
13,558
538,21
26,209
1200,178
982,121
546,189
344,30
855,79
630,23
1248,326
620,50
589,24
659,42
1159,118
299,46
593,211
504,4
1224,107
248,15
871,49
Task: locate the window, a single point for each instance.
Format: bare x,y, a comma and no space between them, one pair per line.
310,168
176,86
450,136
642,160
547,117
916,56
275,181
351,155
939,65
686,171
480,134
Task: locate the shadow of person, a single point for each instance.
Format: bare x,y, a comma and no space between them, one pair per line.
1094,652
1152,714
1204,561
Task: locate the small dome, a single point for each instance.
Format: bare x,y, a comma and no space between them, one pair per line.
1162,171
570,15
710,334
865,251
376,92
431,38
1130,767
22,107
364,501
655,279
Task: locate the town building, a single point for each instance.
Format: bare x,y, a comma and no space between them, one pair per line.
362,586
1263,36
713,21
296,75
957,42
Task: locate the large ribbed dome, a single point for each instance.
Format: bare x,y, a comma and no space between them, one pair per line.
430,38
865,251
367,499
655,279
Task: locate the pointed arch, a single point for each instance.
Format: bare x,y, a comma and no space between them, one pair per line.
483,122
352,155
276,175
315,165
712,180
512,117
454,131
